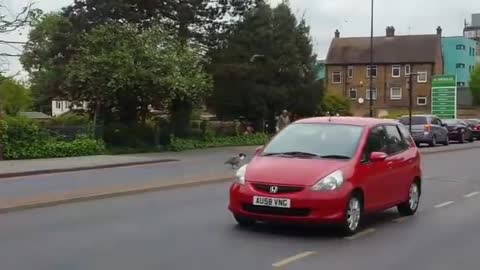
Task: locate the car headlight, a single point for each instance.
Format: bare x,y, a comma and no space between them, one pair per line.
241,175
332,182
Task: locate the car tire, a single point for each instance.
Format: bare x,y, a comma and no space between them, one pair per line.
353,215
447,141
410,207
472,138
244,221
433,142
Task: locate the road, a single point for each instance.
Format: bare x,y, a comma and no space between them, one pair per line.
190,228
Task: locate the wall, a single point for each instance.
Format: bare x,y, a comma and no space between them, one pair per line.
383,83
454,56
60,107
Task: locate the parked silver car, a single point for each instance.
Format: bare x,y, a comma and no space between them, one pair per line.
427,129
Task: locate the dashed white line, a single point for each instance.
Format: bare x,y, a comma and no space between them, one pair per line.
360,234
293,258
469,195
443,204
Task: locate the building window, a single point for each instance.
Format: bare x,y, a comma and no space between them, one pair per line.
336,77
395,93
352,93
421,101
408,69
374,94
422,77
396,71
350,72
58,104
460,47
460,65
460,84
374,71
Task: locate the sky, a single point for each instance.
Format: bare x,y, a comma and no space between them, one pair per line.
350,17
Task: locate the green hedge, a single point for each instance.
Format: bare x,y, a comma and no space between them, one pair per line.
178,144
24,139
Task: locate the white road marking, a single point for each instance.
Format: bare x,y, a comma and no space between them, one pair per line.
443,204
293,258
360,234
400,219
471,194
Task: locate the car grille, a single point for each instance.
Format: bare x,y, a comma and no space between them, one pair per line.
281,189
290,212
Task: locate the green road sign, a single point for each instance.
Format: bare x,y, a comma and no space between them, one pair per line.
444,96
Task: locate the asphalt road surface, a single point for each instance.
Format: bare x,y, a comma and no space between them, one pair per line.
190,228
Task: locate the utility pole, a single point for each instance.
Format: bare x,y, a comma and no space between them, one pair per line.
371,62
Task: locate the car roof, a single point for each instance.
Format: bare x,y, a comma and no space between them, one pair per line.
347,120
419,115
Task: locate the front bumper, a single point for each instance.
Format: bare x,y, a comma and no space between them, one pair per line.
307,207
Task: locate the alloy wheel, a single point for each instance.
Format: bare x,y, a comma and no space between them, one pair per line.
353,214
414,196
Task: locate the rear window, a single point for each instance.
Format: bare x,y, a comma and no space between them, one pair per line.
416,120
472,122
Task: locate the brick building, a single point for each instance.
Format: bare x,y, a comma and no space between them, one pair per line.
394,58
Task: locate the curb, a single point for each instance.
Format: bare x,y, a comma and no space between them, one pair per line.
97,195
85,168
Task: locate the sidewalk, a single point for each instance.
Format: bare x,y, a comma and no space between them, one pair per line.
16,168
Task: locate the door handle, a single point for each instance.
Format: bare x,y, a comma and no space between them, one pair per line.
390,163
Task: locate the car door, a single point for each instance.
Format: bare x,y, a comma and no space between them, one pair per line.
440,131
399,162
375,174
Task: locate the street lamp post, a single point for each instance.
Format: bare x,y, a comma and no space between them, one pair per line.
410,100
371,62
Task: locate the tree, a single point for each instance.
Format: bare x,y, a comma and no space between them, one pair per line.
334,104
475,85
124,69
46,55
15,97
281,75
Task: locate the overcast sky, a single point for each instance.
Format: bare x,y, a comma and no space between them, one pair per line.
351,17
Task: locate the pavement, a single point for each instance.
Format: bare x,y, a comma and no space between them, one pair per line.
71,181
191,228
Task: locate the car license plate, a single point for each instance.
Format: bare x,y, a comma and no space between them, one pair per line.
271,202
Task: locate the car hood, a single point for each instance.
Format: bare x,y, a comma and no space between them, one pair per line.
291,171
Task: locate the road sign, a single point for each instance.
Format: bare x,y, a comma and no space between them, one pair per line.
444,96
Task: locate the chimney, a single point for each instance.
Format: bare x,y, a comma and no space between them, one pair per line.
337,33
390,31
439,31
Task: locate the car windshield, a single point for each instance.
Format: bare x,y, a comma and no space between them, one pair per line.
450,121
321,140
416,120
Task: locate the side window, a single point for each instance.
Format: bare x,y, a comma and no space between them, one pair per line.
395,142
406,136
376,142
436,121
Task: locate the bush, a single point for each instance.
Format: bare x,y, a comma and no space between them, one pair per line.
178,144
334,104
120,135
69,119
24,139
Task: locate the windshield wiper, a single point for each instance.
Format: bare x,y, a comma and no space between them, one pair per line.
293,154
335,157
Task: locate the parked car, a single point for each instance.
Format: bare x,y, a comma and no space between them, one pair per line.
474,124
308,173
459,130
427,129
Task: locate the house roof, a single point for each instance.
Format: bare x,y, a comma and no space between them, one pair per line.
34,115
387,50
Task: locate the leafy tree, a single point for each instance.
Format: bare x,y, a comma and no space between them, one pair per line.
15,97
475,85
125,69
265,66
335,104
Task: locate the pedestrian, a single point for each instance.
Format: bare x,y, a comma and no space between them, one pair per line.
283,120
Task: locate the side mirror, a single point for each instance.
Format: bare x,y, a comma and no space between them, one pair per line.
258,150
378,156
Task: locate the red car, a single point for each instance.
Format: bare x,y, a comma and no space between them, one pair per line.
329,170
